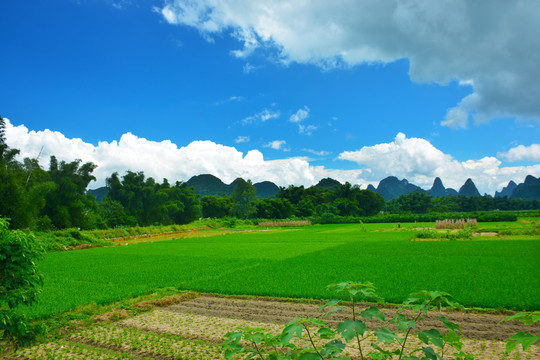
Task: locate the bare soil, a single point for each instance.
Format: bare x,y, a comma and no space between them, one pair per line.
474,325
191,327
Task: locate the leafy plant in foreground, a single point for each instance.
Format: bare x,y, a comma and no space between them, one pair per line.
525,339
19,282
318,341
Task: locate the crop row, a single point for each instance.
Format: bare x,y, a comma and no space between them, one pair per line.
297,263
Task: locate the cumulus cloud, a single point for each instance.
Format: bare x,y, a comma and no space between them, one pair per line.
264,115
412,158
160,159
420,162
521,152
492,46
242,139
300,115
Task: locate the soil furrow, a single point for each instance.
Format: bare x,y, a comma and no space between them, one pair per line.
474,325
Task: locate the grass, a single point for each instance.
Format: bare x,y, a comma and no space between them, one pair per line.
298,263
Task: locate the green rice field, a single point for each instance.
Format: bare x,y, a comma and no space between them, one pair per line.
484,272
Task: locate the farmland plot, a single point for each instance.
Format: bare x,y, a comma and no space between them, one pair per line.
298,263
195,329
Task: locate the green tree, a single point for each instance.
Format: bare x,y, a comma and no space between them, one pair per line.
415,202
243,198
12,197
67,203
216,206
269,208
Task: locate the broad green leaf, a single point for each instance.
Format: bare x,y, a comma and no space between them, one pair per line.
527,318
432,335
386,336
288,333
511,345
332,348
403,325
309,356
329,303
452,339
348,329
431,354
255,337
333,311
450,325
525,339
313,321
326,333
373,312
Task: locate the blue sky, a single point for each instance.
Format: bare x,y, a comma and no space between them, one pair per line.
287,92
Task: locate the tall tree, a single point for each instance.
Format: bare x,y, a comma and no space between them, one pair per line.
12,202
244,197
67,203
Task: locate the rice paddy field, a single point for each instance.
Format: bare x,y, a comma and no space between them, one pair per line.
498,269
488,271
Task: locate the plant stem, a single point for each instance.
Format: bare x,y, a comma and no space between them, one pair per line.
312,343
258,352
409,330
357,337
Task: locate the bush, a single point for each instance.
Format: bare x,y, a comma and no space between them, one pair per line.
20,283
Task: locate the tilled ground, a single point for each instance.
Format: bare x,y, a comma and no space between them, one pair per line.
195,329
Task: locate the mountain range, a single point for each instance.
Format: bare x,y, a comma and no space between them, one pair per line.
390,188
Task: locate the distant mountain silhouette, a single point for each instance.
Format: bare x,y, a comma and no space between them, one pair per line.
328,183
207,184
529,189
469,189
99,193
438,189
507,190
391,187
266,189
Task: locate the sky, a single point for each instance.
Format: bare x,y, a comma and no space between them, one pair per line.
284,91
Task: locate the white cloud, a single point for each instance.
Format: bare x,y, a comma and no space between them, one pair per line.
492,46
412,158
420,162
300,115
277,145
521,152
306,129
231,99
242,139
160,159
318,153
263,116
248,68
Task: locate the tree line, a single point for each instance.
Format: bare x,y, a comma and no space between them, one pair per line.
43,199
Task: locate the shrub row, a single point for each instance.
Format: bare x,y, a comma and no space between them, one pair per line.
329,218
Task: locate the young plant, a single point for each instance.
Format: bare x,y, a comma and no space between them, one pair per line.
326,343
525,339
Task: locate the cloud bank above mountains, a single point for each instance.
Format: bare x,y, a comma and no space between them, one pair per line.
492,46
413,158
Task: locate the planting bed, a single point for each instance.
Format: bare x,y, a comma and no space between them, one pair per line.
195,329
